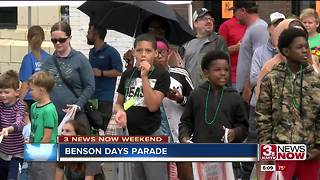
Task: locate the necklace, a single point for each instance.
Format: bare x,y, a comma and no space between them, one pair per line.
217,109
295,103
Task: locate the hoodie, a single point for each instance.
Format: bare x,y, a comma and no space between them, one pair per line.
232,114
278,122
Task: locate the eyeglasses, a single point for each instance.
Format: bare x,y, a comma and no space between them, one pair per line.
163,52
60,40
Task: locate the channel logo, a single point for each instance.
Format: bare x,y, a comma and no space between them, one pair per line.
282,152
40,152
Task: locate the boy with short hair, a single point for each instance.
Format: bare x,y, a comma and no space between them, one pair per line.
287,111
44,121
213,106
141,91
11,125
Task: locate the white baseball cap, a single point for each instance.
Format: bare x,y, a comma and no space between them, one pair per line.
276,15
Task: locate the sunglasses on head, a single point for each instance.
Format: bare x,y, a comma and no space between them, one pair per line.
60,40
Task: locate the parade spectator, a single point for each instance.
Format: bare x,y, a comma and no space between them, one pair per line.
26,131
263,53
31,62
76,84
44,121
11,125
77,170
204,121
310,19
173,104
107,66
232,32
141,91
206,41
256,35
288,116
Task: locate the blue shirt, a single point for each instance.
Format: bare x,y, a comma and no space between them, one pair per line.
29,66
105,58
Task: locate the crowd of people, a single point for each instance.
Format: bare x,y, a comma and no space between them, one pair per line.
259,80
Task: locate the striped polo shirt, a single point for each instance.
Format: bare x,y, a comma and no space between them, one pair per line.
12,116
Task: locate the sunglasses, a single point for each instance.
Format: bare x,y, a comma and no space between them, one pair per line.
60,40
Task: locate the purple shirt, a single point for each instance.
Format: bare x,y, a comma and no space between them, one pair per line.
12,116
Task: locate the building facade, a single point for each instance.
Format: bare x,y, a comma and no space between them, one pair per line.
14,22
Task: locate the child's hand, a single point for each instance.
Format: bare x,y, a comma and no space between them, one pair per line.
185,140
175,95
144,68
5,132
121,118
231,135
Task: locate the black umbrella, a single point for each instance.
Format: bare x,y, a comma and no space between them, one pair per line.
128,16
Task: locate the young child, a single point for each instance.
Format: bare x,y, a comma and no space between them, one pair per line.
141,91
173,104
287,111
26,135
44,121
212,106
11,124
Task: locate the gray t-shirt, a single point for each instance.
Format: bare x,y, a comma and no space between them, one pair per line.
256,35
77,70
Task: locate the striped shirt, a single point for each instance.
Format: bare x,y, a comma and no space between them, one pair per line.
12,116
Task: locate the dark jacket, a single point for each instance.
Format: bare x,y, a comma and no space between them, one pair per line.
232,114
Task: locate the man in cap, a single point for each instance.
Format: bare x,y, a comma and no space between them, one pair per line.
206,40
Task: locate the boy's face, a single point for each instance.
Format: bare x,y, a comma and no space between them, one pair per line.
298,50
311,24
36,92
218,72
144,52
8,96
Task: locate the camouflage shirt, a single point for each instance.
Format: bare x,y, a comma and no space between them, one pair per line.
278,121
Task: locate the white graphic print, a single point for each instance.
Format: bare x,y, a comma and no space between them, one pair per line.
135,90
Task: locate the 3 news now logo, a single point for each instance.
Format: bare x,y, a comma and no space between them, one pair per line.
278,152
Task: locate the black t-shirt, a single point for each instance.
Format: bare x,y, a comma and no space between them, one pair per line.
140,120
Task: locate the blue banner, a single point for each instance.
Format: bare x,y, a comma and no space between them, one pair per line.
158,152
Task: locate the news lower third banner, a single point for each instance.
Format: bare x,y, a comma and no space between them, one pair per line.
157,152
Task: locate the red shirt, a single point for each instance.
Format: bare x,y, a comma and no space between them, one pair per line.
232,32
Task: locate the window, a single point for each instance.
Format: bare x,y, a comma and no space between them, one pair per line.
8,17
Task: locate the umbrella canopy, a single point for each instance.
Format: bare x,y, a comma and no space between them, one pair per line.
128,16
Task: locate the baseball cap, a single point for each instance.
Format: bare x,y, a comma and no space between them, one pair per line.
244,4
200,12
276,15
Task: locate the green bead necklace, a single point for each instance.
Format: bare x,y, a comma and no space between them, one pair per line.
295,103
218,107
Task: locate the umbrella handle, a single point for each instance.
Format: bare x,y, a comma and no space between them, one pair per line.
137,23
